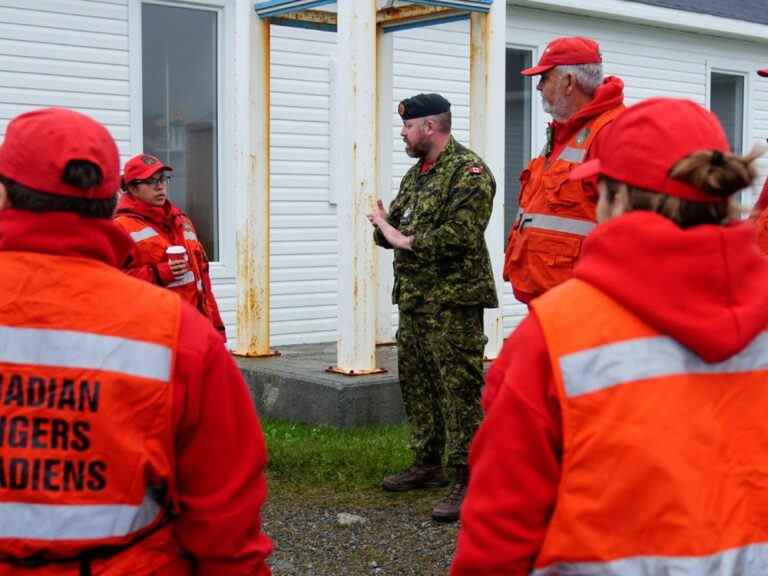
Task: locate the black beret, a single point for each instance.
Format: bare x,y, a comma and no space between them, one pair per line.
423,105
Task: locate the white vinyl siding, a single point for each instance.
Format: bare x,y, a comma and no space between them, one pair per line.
70,53
304,245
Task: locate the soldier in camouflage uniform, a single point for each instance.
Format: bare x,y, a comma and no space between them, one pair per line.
443,282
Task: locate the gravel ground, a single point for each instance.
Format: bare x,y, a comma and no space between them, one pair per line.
365,533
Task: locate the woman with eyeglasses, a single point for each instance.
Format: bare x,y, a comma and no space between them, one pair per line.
155,224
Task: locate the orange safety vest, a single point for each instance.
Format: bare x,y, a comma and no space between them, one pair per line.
555,215
662,465
151,245
86,458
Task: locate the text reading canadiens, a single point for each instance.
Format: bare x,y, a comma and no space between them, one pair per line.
63,429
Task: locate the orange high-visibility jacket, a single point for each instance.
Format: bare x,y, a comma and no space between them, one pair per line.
151,245
86,458
662,465
555,215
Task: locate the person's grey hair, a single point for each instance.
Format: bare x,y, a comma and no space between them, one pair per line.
588,76
442,121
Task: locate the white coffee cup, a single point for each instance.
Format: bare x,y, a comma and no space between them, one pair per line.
176,253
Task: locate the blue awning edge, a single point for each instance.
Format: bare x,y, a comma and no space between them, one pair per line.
271,8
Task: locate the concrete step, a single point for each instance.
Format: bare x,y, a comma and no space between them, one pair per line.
295,386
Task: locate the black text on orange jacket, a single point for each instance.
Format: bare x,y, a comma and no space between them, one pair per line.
85,417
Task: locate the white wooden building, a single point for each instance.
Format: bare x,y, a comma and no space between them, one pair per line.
172,77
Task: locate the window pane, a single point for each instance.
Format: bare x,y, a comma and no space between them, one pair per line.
517,152
727,102
179,78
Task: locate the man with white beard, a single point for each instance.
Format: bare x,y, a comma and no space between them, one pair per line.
555,213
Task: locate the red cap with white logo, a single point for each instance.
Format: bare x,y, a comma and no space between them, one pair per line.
141,167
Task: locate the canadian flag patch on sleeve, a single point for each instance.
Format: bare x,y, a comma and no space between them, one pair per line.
475,170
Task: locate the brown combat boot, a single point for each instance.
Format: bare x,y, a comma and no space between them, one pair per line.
415,477
448,509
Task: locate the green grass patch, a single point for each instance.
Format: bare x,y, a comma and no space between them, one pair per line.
304,455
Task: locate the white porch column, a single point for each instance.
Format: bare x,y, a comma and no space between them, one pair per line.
357,264
253,212
384,95
487,107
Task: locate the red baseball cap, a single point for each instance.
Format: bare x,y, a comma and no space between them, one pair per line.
142,166
644,143
565,52
38,146
763,72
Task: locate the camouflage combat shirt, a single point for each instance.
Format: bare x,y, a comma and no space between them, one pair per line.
446,209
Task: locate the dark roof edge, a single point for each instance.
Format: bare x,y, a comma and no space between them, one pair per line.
745,10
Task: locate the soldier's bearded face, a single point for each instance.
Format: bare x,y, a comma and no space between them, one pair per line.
415,138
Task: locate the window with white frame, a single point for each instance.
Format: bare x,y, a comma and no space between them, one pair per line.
180,73
727,103
517,150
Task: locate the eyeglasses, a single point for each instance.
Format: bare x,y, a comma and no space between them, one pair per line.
155,181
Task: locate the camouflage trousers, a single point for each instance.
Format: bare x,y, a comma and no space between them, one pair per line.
440,361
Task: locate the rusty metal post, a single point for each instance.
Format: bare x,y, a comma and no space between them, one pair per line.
486,129
253,215
384,95
357,265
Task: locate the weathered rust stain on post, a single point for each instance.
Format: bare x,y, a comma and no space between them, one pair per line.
486,46
253,232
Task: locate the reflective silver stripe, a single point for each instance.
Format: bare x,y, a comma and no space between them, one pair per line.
70,349
188,278
144,234
751,560
575,155
582,136
189,235
75,521
613,364
549,222
200,285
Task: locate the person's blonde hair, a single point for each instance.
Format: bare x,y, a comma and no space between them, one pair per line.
716,174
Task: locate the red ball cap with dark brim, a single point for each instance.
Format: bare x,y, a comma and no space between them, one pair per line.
763,72
645,142
567,51
38,145
141,167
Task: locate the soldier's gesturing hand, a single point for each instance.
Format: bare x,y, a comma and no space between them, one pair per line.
381,209
379,219
378,215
